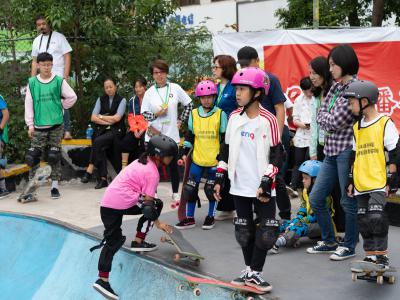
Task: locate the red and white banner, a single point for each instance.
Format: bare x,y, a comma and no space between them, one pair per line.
287,53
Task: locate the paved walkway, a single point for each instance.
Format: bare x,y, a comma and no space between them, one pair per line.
293,273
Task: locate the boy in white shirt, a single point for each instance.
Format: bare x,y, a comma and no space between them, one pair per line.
251,156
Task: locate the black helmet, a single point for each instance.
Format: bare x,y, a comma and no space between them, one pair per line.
362,89
162,145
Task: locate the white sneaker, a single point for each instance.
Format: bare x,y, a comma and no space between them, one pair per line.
176,197
225,215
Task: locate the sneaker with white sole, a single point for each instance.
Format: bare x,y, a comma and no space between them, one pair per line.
382,261
104,288
225,215
209,223
342,253
176,197
186,224
274,250
241,279
322,247
255,280
369,259
143,246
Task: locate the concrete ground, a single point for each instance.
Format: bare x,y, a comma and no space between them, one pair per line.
293,273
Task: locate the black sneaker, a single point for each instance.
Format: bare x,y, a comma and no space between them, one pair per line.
86,177
342,253
241,279
186,224
382,261
55,194
105,289
4,193
209,223
143,246
102,183
27,198
255,280
322,247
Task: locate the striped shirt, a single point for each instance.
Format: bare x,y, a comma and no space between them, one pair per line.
335,117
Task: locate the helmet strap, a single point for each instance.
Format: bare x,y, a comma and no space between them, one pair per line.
253,99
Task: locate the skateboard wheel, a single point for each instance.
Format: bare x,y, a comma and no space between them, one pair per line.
181,287
177,257
180,162
250,298
354,276
197,292
173,206
197,262
235,295
379,279
392,279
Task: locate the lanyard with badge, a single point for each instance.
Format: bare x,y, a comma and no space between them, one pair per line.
164,102
332,103
48,41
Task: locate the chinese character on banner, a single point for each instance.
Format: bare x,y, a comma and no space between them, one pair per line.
386,104
184,20
178,18
190,19
293,92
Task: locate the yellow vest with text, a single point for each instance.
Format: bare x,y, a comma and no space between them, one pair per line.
369,171
207,143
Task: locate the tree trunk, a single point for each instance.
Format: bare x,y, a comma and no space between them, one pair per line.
377,12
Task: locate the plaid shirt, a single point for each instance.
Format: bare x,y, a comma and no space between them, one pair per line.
337,121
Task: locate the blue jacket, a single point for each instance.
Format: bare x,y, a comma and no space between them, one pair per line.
227,102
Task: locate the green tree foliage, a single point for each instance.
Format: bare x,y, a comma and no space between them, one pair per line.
299,13
115,38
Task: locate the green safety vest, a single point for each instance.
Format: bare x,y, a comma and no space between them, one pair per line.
47,105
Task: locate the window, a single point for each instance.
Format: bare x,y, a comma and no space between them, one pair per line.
189,2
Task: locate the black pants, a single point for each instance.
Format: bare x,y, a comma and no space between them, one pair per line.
112,220
300,156
254,256
226,203
132,145
282,198
320,152
374,234
107,144
174,174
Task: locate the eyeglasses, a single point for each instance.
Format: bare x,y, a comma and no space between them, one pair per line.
216,67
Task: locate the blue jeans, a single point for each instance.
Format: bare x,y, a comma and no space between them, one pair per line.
334,168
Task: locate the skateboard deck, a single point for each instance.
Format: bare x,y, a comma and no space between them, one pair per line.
361,270
238,291
183,247
182,202
40,177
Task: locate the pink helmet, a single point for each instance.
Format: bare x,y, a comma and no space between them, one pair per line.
251,76
206,88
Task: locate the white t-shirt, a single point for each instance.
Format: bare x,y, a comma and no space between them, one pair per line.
153,100
247,180
302,112
58,46
288,104
389,141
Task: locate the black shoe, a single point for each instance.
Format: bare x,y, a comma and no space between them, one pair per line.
105,289
86,177
27,198
102,183
382,261
209,223
143,246
255,280
55,194
186,223
4,193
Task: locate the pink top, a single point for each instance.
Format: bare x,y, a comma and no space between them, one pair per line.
68,99
134,180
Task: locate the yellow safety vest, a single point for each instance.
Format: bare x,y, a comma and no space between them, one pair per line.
369,171
206,144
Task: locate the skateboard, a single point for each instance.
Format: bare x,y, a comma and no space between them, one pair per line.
182,203
363,270
40,177
184,248
238,292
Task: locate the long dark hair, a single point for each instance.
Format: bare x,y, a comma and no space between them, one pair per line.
320,66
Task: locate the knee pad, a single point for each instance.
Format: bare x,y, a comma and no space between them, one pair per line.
266,234
209,190
53,155
378,220
32,156
151,209
244,231
363,222
291,238
190,190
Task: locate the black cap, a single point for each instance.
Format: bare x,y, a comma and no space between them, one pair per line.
362,89
246,54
